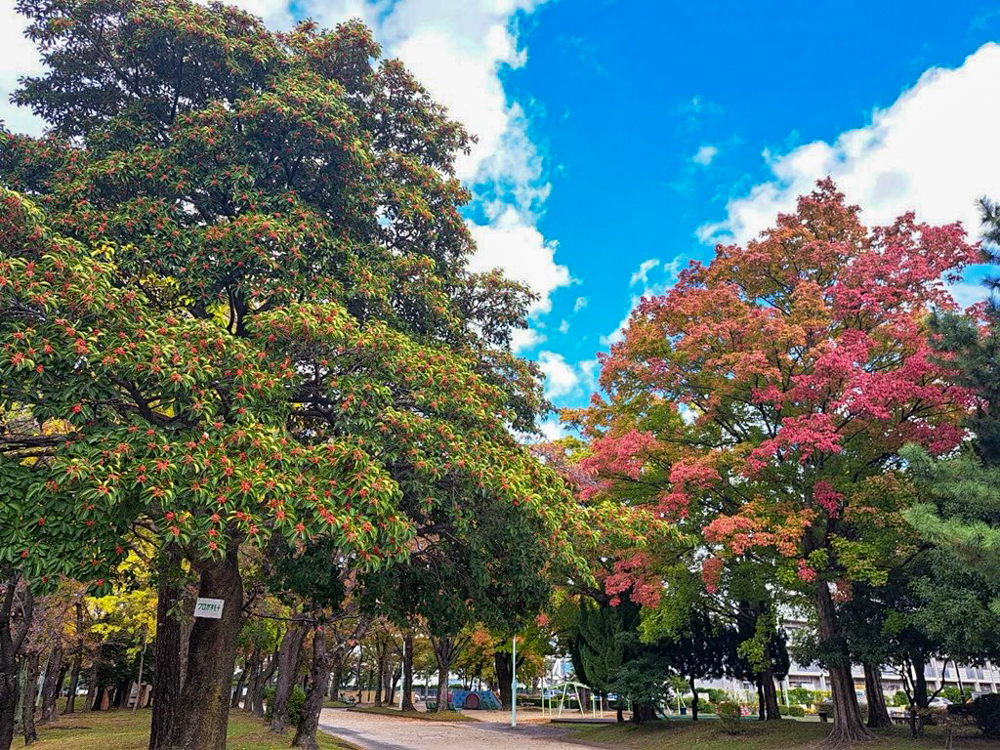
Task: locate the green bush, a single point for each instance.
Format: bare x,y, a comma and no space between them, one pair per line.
900,699
986,714
296,701
796,711
802,696
955,695
729,717
716,695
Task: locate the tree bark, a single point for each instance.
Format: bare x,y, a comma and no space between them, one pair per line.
408,672
267,672
211,660
74,677
444,654
694,699
248,665
643,712
848,726
54,675
771,710
319,675
502,667
166,649
878,713
93,702
382,656
288,661
28,700
12,634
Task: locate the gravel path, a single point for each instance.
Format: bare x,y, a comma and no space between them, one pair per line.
374,732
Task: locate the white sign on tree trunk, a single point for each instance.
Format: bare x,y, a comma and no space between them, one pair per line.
211,608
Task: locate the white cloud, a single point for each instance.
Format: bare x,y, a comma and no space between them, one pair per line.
968,293
552,429
19,58
513,243
581,302
641,274
523,339
561,379
704,155
564,326
668,275
934,150
589,371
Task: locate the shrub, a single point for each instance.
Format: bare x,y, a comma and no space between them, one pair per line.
296,700
900,699
729,717
796,711
715,695
986,714
801,695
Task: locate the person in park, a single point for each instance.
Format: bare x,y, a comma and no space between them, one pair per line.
235,311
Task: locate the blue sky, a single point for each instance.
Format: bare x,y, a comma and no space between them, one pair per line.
618,140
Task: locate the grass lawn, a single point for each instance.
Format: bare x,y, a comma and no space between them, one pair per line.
123,730
336,704
780,735
420,715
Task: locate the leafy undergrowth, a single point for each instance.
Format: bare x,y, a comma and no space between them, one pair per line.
780,735
421,715
124,730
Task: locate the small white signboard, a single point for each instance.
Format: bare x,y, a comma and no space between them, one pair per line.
211,608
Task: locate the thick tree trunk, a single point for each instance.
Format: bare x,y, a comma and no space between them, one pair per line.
74,676
408,673
336,674
643,712
878,713
319,675
694,699
761,702
848,725
443,657
382,656
502,667
8,705
167,650
920,696
54,675
770,709
288,662
93,694
28,699
211,660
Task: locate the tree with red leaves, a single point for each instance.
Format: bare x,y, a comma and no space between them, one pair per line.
766,396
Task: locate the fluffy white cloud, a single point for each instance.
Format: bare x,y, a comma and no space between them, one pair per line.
523,339
513,243
934,150
552,429
564,326
581,302
561,378
704,155
19,58
641,274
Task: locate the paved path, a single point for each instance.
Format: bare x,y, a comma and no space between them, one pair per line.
374,732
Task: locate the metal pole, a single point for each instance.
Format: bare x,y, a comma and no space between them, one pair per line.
513,681
402,677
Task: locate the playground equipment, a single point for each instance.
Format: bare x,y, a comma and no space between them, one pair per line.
563,691
474,699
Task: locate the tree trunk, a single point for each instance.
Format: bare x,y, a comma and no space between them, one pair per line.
761,708
248,666
502,667
694,699
920,697
74,677
337,674
29,698
878,713
408,673
848,725
211,661
443,656
54,675
265,677
288,661
771,710
319,675
643,712
382,656
93,696
167,650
